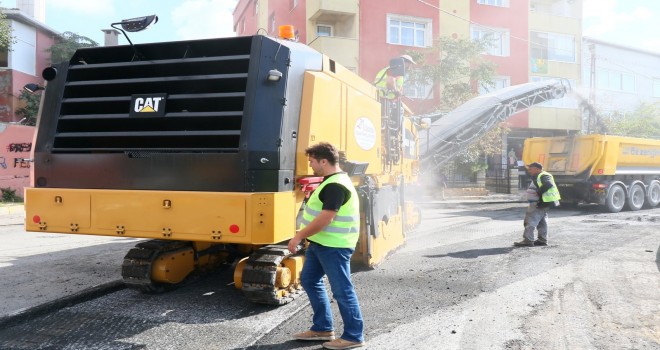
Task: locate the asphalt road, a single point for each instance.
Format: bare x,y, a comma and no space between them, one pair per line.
456,284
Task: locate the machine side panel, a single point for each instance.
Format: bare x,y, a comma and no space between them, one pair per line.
319,116
248,218
363,129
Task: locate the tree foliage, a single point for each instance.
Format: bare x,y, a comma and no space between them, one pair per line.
30,107
67,45
6,34
642,122
459,69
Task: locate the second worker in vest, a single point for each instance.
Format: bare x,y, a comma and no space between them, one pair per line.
331,223
537,216
390,79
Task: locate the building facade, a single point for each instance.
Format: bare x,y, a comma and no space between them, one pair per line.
618,79
532,40
25,61
21,65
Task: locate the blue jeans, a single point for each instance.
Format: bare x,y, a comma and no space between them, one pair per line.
335,263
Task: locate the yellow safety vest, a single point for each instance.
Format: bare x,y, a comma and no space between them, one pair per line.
381,84
344,230
552,194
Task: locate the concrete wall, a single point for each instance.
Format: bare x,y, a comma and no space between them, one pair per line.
15,152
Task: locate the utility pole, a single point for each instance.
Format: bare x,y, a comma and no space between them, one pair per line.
592,87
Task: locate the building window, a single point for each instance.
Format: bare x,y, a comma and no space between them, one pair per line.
550,47
498,83
614,80
498,40
323,30
271,20
656,87
568,101
500,3
409,31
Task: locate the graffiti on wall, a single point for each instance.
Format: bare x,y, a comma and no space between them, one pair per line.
15,156
19,147
19,162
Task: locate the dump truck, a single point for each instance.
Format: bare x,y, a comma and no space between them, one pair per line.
198,147
611,171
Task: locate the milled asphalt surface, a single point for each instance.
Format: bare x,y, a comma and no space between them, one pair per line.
45,276
44,271
484,294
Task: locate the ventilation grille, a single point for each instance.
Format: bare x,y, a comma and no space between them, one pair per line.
205,83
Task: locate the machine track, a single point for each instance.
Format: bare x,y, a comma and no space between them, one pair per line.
138,262
260,280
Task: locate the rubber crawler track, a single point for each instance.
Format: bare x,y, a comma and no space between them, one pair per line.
259,276
136,268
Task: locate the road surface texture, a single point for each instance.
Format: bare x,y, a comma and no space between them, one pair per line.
457,284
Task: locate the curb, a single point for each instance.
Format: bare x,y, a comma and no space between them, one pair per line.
71,300
450,202
12,209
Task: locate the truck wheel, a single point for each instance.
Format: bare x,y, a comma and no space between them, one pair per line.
653,194
616,198
636,197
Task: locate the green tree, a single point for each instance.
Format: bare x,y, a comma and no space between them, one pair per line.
67,45
6,34
644,122
30,108
460,67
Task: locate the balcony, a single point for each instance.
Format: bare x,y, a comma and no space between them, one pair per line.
331,10
342,50
560,8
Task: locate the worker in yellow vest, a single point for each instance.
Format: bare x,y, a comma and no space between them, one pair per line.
537,217
331,223
390,79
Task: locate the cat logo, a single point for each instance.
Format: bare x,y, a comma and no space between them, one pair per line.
152,105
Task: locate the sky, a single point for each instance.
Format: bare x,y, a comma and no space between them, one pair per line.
177,19
632,23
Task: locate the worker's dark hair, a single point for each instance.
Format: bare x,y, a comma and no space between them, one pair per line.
325,151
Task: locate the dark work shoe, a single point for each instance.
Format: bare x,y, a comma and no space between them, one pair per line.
524,243
540,243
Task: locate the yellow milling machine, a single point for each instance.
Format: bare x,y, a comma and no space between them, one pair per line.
198,147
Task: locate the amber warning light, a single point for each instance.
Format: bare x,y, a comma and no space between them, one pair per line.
287,32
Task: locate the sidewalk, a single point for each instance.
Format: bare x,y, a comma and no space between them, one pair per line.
12,214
